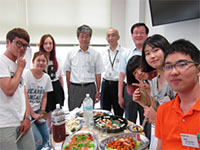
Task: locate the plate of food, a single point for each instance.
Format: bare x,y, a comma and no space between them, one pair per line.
96,112
112,124
128,141
81,140
135,128
72,125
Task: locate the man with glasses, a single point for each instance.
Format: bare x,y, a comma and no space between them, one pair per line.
14,107
178,121
139,33
109,87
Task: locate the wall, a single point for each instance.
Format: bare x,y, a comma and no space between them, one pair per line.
132,11
118,18
189,30
59,18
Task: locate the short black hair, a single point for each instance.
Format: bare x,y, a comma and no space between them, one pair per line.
185,47
138,25
84,29
155,40
133,63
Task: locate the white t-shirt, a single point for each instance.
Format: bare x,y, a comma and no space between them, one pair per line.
12,108
36,88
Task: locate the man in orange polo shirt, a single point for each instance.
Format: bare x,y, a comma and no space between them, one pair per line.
178,121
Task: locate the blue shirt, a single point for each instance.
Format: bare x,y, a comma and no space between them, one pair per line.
126,56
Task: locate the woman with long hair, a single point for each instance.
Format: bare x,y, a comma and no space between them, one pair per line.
54,70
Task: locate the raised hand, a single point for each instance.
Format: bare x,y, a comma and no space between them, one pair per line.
21,62
137,97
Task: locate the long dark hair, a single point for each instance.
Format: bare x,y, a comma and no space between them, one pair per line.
155,40
52,53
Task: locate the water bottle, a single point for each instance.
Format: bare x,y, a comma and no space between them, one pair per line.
88,111
58,124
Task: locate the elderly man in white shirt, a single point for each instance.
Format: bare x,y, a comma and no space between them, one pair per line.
111,58
83,67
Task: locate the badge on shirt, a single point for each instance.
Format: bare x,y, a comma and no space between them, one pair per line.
189,140
110,73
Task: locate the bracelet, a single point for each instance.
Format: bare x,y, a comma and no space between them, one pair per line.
44,114
27,117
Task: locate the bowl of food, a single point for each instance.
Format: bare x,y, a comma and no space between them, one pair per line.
96,113
127,141
135,128
112,124
81,140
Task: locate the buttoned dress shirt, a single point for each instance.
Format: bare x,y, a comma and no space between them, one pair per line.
111,62
83,65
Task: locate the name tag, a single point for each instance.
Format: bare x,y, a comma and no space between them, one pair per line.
189,140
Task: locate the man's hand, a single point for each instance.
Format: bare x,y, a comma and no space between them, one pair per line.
121,102
21,62
25,126
97,97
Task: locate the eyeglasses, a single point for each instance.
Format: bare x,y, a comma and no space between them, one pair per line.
141,33
180,65
20,44
111,35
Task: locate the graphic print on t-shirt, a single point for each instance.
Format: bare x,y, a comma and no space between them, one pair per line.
50,72
35,94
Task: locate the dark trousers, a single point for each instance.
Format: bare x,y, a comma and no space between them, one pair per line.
109,97
78,92
131,108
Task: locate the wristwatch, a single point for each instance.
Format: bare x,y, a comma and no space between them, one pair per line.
28,117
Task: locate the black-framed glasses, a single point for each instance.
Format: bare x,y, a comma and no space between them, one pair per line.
20,44
141,32
178,65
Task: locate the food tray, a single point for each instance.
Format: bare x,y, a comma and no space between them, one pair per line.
97,113
143,139
68,139
112,124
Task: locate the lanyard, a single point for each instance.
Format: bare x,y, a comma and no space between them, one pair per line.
112,62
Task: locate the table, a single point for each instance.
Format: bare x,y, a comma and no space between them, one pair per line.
58,146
